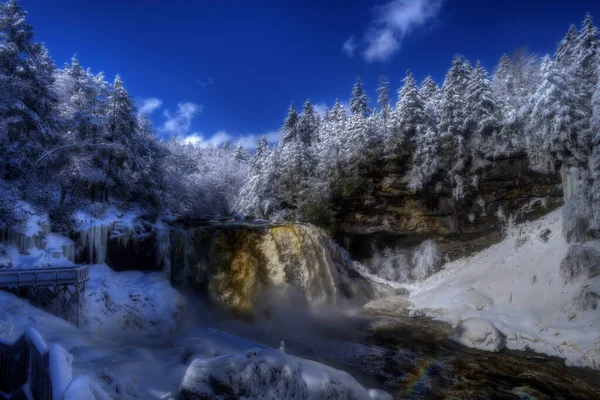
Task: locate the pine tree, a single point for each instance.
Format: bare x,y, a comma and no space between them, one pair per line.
425,159
329,149
481,121
503,82
239,154
290,125
357,145
586,61
408,118
594,163
27,123
122,146
554,108
293,156
384,103
430,93
567,51
359,102
586,56
453,154
308,124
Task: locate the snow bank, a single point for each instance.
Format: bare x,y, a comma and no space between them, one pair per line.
132,301
265,373
86,220
479,334
518,286
61,373
85,388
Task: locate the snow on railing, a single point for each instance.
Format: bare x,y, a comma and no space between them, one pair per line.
42,277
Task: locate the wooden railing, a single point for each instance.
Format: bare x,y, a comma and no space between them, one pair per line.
43,277
25,361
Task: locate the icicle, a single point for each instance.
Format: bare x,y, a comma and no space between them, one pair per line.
570,180
95,240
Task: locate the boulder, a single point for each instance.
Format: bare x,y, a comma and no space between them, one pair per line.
478,333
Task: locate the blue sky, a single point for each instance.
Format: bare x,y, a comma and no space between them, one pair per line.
224,69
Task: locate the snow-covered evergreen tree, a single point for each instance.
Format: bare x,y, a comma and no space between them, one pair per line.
594,163
258,193
239,153
408,119
359,102
290,125
554,108
27,122
308,124
121,145
586,55
481,122
384,103
567,49
586,61
293,157
452,144
425,159
430,93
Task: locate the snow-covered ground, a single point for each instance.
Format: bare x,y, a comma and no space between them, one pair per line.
517,286
126,349
131,302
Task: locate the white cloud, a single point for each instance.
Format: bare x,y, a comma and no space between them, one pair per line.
393,22
205,83
349,46
179,123
150,105
248,141
321,107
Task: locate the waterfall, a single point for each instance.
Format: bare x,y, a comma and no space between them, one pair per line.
237,263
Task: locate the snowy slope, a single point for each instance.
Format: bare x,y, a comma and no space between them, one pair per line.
517,286
134,302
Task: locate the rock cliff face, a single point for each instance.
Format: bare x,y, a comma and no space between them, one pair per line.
236,264
390,215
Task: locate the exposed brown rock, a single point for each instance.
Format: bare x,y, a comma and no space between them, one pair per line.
388,214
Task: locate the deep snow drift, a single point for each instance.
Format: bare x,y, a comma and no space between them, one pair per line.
519,286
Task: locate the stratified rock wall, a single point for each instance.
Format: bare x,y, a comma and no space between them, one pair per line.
389,215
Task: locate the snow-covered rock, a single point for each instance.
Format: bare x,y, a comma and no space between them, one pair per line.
261,373
581,262
478,333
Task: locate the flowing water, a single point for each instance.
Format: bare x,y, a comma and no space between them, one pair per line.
412,358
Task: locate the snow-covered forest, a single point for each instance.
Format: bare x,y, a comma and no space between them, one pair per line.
546,107
71,140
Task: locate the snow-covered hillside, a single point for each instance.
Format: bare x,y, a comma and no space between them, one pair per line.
520,287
